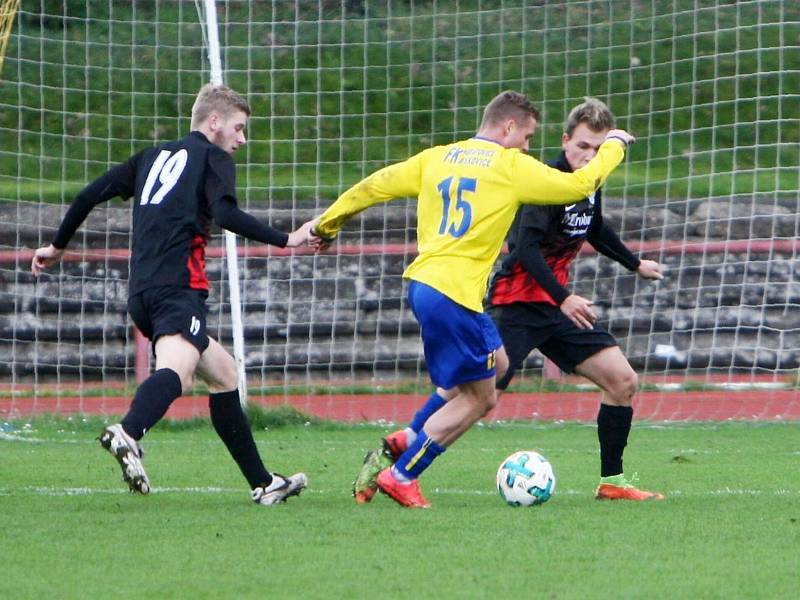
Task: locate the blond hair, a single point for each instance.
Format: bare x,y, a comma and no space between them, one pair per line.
597,116
218,99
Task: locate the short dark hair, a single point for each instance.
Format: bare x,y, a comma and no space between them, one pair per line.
508,105
593,112
217,98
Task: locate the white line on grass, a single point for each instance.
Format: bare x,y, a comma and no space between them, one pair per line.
720,492
10,437
88,491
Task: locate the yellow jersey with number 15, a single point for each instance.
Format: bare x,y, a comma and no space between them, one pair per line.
468,193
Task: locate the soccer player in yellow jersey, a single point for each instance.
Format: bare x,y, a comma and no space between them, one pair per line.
468,194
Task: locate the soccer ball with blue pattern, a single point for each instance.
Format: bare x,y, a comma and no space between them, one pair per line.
526,479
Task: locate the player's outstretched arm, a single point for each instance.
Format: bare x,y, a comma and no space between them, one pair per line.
45,257
229,216
85,201
537,183
607,242
395,181
117,181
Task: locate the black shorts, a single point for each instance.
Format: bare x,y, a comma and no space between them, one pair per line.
525,326
166,310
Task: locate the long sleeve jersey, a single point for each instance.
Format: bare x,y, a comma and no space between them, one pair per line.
177,189
467,195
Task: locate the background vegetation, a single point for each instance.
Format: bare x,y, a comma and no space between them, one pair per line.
339,88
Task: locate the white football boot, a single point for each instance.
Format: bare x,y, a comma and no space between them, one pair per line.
280,489
129,456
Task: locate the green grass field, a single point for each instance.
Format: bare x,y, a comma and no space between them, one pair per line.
730,527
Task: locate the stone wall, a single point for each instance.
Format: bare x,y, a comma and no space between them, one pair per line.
726,309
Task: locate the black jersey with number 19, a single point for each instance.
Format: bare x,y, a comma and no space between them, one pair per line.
176,189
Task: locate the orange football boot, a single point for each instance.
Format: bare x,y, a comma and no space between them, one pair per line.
620,488
405,494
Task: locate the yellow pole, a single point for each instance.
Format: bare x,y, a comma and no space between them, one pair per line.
8,9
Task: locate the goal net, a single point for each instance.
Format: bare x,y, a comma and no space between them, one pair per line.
341,88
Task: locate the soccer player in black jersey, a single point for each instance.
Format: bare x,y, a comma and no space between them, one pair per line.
532,307
177,189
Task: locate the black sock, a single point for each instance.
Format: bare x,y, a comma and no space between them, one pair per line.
232,427
151,401
613,426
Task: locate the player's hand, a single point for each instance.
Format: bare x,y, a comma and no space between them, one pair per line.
317,242
650,269
45,257
579,311
302,234
621,135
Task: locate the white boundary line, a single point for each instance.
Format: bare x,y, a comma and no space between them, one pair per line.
88,491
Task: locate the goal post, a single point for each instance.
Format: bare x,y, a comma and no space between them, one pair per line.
339,89
231,256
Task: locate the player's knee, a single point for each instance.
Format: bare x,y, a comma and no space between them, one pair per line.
502,364
632,383
223,377
184,372
500,375
228,384
626,388
229,378
489,402
481,401
447,394
187,382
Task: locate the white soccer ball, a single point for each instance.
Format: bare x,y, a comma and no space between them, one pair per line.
526,479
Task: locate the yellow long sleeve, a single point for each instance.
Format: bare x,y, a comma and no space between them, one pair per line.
467,195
